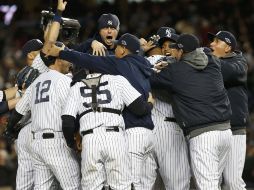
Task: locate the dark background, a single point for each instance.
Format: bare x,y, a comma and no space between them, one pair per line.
142,19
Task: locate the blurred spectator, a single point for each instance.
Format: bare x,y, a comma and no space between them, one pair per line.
7,169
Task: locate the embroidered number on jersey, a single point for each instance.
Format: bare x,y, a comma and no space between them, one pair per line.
41,91
84,92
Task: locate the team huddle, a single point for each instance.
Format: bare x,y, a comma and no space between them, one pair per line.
132,114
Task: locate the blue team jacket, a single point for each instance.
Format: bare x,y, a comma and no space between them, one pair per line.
234,71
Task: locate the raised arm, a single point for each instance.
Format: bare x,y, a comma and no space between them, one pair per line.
55,27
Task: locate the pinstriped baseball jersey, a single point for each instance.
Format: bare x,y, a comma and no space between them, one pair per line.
105,158
114,92
39,64
154,58
1,95
160,108
45,97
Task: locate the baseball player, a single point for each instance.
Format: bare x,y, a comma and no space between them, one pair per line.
25,174
201,108
234,70
103,41
99,101
49,92
136,70
170,145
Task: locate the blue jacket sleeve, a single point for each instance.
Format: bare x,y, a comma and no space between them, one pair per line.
83,47
163,79
234,71
104,65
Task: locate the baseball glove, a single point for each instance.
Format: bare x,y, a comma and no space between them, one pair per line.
26,76
11,135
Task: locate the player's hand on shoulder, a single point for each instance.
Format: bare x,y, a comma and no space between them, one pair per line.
146,46
54,49
150,98
98,48
160,65
61,5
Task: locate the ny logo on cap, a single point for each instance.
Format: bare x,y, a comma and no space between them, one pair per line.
123,42
168,33
180,46
228,40
110,22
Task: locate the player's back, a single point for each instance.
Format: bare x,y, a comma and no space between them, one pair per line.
48,94
113,92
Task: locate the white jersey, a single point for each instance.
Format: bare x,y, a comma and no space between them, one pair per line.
154,58
114,92
45,98
39,64
1,95
160,108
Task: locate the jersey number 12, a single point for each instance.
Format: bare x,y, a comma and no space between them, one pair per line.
41,91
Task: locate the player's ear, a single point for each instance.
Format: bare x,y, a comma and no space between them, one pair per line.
30,55
228,48
123,50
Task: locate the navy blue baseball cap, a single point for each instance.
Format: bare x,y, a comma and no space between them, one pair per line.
186,42
225,36
130,41
31,45
108,20
166,33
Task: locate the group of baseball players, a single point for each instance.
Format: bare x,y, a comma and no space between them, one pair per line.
139,114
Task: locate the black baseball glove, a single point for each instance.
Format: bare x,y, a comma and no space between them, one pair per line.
26,76
11,135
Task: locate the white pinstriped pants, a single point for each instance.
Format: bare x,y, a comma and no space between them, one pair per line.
208,154
25,175
105,160
54,159
140,142
172,154
234,166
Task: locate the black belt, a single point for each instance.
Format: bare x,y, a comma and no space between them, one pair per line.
110,129
46,135
170,119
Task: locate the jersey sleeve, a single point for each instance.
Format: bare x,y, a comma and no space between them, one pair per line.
154,59
128,92
39,64
72,103
24,105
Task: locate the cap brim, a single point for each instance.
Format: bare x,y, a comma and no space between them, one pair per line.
172,38
174,46
210,36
